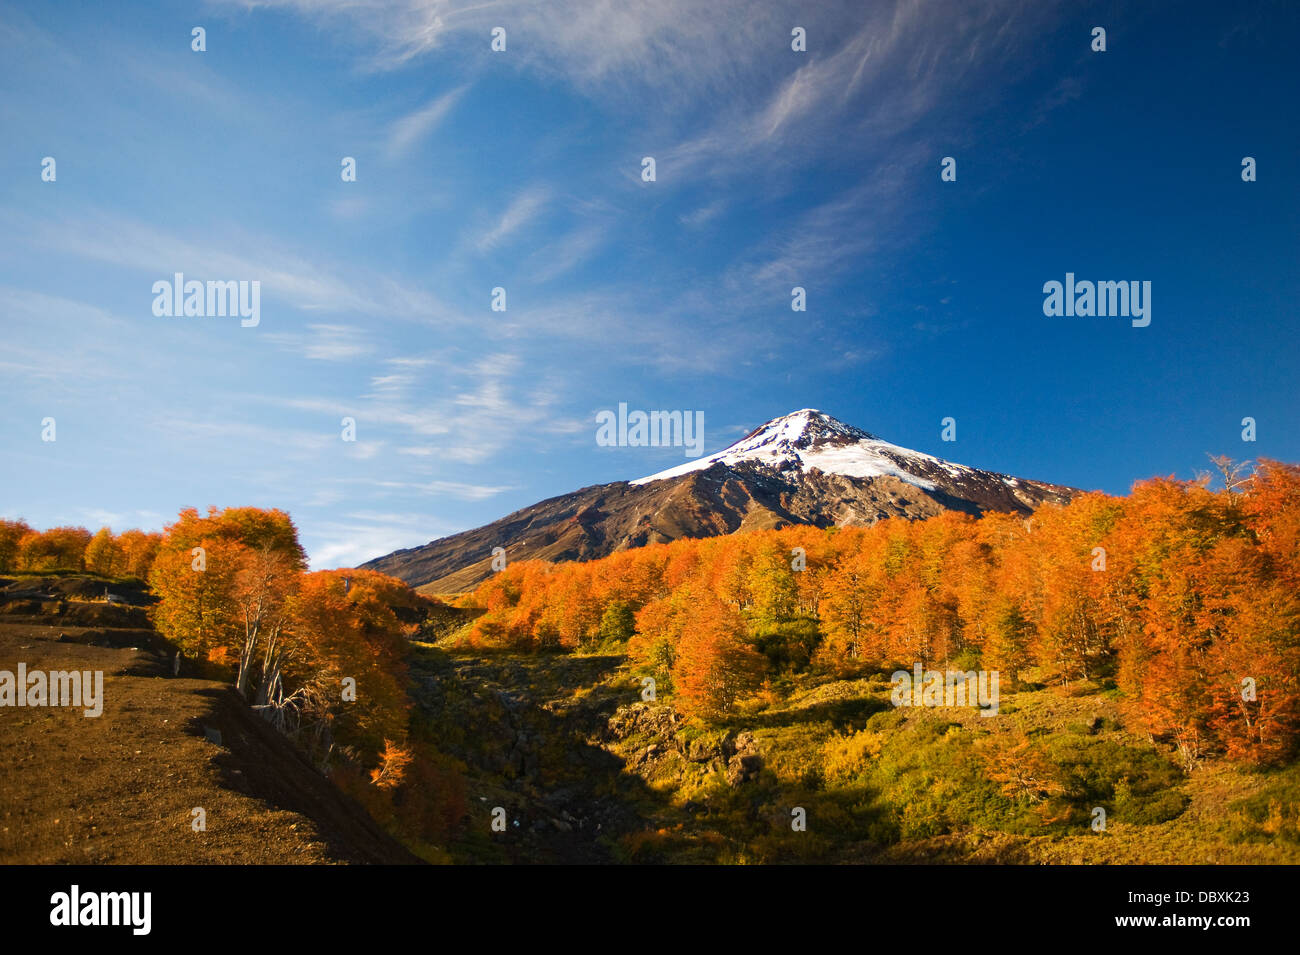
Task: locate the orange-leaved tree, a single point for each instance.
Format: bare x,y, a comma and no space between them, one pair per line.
349,637
714,666
223,581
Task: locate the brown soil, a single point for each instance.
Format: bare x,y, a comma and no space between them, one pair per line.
120,788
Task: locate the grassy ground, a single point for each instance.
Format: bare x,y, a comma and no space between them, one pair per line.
590,772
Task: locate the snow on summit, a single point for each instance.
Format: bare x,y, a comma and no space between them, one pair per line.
813,439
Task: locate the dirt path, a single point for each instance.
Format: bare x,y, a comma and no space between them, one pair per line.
120,788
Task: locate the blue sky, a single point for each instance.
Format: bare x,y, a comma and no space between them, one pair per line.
522,169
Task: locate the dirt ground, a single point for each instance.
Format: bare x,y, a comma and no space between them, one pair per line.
120,788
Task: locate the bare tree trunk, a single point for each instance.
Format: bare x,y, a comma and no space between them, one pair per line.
246,658
271,690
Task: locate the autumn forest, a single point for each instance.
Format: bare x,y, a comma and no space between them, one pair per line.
759,663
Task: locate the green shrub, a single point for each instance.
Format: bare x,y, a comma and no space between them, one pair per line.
789,645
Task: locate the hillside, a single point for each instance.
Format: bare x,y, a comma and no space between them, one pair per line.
805,468
120,788
590,773
743,684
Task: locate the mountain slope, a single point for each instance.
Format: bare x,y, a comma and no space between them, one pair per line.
802,468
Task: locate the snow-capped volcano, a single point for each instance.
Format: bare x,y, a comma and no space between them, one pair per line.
813,439
802,468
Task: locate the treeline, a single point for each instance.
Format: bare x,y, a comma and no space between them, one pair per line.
321,654
129,554
1185,598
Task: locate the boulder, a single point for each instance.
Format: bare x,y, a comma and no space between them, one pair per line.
702,750
743,768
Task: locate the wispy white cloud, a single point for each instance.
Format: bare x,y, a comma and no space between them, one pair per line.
523,209
414,126
390,384
322,342
698,218
868,70
671,46
284,274
465,492
62,343
403,361
459,490
239,437
567,253
480,409
900,62
363,450
829,238
361,536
